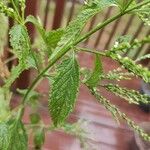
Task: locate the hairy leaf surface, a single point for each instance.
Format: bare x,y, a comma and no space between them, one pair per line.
64,90
18,137
21,48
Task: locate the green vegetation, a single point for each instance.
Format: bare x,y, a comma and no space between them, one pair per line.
56,60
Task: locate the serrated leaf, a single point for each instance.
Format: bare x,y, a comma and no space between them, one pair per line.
64,91
75,27
131,96
96,74
18,137
4,136
21,48
19,40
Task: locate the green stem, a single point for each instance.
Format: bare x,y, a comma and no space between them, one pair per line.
62,53
17,13
102,25
91,51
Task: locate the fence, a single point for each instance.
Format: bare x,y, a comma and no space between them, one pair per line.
58,13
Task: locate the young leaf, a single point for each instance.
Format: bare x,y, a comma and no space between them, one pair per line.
18,137
97,73
53,37
21,48
19,40
131,96
64,90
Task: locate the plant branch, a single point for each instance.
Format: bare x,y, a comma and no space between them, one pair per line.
90,51
118,114
102,25
60,54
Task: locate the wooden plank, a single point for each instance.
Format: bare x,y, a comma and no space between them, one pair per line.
90,28
114,29
101,31
46,12
136,34
59,11
71,11
141,48
125,31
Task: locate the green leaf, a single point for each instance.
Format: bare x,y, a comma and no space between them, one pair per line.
131,96
73,30
20,43
64,90
53,37
4,136
96,74
18,137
